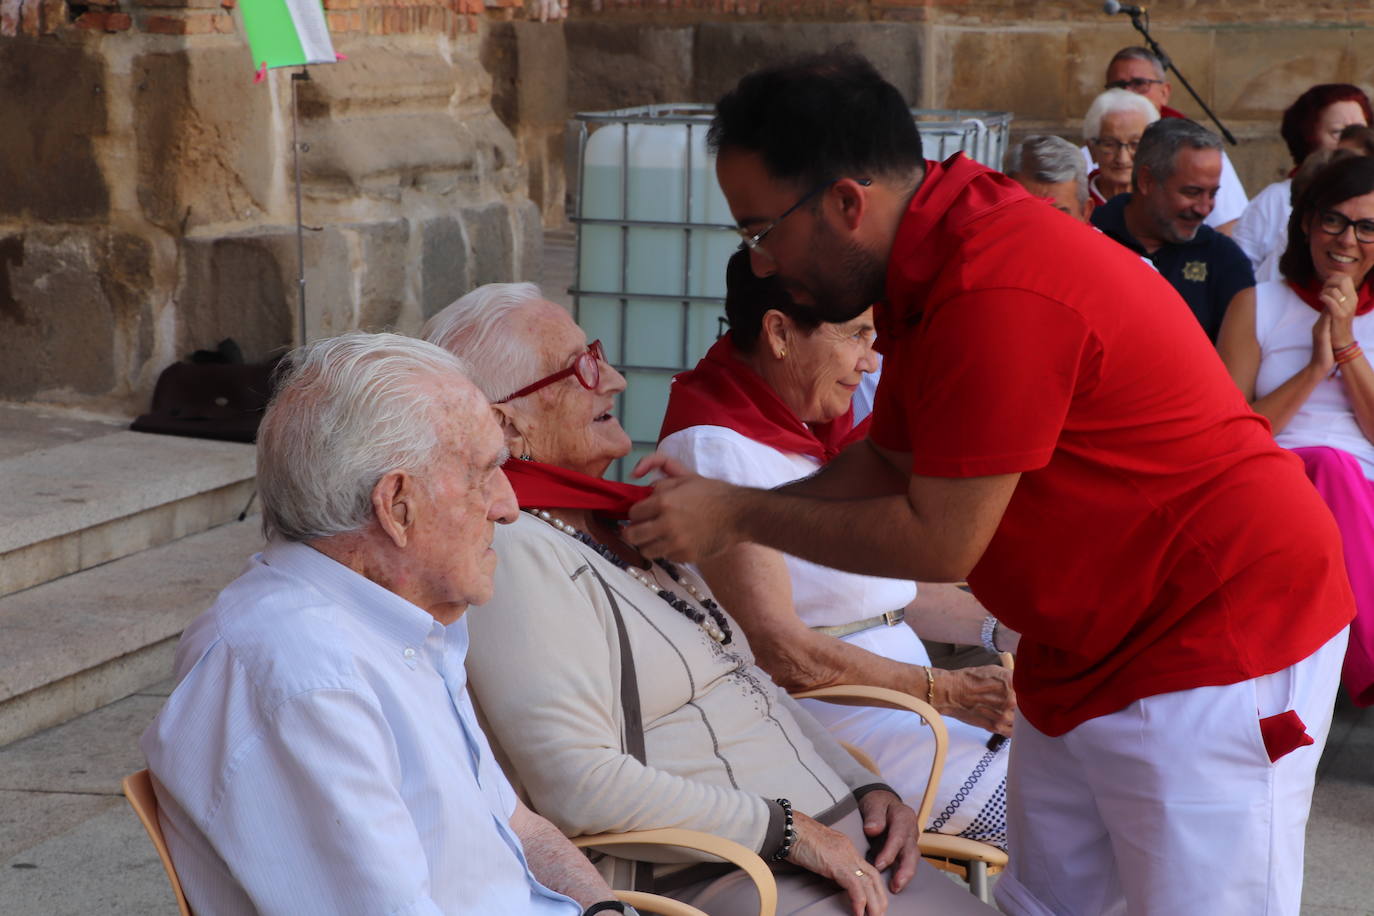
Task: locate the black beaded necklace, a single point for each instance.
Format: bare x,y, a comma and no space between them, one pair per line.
716,626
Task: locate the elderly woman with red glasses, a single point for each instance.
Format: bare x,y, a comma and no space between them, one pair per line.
621,695
1296,354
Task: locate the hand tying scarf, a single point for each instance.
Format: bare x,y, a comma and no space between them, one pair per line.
725,391
547,486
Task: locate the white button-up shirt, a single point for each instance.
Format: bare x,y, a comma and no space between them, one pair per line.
320,755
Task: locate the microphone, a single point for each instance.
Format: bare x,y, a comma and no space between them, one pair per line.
1111,8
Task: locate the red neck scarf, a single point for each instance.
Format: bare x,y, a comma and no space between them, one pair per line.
724,391
1312,291
546,486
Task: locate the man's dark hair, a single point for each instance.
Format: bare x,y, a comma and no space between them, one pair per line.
1159,146
819,118
748,298
1346,177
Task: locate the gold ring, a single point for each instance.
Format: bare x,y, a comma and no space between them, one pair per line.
860,873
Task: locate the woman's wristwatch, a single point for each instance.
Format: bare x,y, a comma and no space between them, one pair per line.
610,906
990,625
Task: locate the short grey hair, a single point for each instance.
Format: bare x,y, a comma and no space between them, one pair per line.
347,411
476,326
1159,146
1048,159
1112,101
1136,52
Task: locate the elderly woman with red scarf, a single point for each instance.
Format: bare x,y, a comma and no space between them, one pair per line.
770,403
1296,354
620,694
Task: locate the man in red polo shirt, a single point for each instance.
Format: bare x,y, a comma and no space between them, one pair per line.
1053,425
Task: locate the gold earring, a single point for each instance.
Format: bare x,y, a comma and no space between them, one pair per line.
782,354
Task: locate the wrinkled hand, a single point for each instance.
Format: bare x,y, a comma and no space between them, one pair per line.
830,854
981,696
1323,360
885,813
687,517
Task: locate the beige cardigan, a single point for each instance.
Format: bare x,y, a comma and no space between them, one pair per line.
721,739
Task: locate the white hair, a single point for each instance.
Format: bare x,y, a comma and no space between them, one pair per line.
1112,101
475,327
347,410
1050,160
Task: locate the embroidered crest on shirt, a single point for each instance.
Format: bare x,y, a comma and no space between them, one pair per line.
1196,271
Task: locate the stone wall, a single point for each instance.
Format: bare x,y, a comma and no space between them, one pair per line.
147,206
1040,59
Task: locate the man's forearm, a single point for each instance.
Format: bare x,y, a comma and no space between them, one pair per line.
859,472
878,536
556,862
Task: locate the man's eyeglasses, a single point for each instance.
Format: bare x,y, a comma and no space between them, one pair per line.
1112,147
587,369
752,240
1138,84
1334,223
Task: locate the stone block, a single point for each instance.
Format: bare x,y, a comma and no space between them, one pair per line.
493,243
209,150
724,52
236,287
529,223
394,119
618,64
382,274
103,21
52,106
528,63
68,300
1020,82
1259,72
445,272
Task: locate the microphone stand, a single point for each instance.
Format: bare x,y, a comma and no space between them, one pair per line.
1143,27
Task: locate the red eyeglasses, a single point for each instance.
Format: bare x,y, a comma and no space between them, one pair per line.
587,369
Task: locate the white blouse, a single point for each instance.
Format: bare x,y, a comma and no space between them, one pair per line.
1262,232
1283,325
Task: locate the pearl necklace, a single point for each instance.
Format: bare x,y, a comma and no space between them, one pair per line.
713,621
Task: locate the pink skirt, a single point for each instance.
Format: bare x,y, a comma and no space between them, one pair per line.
1340,480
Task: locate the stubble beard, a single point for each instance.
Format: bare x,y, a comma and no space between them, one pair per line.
844,278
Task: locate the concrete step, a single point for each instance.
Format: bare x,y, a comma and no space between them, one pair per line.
77,504
85,640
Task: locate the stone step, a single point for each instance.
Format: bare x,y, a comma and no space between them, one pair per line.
76,505
77,643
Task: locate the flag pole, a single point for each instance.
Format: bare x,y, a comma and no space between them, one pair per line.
300,224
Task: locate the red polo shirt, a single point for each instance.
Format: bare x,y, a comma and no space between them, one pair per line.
1158,539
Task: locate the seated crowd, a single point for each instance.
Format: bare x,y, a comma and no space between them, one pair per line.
450,657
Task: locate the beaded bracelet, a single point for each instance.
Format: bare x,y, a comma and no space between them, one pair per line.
789,830
930,685
990,624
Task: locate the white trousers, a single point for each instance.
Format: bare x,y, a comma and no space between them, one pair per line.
1170,805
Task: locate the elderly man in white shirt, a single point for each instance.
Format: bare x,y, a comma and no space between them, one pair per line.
319,754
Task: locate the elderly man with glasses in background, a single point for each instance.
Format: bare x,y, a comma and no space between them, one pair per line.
1139,70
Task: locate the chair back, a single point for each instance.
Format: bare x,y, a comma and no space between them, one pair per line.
138,789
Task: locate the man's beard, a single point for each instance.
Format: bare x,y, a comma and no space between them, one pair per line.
842,280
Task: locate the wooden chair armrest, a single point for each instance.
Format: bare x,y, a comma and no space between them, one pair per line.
735,853
957,847
863,695
653,903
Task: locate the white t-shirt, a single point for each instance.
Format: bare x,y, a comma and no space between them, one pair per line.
823,596
1283,325
1262,232
1231,199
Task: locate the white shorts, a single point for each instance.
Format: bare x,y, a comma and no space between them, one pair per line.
1170,805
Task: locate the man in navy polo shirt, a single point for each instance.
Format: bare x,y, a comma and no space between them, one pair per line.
1174,186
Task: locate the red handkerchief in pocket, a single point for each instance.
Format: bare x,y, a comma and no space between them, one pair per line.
1283,734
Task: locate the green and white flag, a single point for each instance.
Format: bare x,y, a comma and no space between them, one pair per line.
286,33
